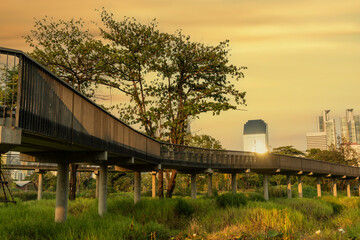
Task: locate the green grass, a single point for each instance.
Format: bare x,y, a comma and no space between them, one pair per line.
184,218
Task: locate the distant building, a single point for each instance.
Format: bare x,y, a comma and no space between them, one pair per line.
255,136
316,140
350,127
326,134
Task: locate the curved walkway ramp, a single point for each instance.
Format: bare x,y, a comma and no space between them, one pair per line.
48,121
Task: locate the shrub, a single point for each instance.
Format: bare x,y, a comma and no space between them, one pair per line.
257,197
230,199
316,208
183,208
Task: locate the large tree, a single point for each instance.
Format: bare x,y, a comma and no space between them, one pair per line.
69,50
168,78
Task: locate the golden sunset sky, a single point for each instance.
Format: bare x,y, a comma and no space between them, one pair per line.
302,56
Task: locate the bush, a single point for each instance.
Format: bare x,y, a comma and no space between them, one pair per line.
230,199
183,208
257,197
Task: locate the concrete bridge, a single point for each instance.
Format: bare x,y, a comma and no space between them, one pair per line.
48,121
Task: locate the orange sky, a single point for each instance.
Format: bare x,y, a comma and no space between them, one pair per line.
303,56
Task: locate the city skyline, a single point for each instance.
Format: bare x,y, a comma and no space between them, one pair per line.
302,57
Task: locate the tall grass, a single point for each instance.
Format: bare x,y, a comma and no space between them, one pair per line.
179,218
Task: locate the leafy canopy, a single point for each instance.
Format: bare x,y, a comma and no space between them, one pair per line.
168,78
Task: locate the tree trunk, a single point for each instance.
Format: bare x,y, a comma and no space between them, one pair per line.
72,183
171,185
160,184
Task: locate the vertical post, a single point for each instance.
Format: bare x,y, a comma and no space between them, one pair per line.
62,191
348,188
300,188
289,186
359,187
233,182
97,184
210,190
137,186
266,187
40,185
318,186
160,184
334,187
193,186
102,204
153,184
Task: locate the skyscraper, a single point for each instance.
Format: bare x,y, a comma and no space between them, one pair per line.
350,127
326,134
256,136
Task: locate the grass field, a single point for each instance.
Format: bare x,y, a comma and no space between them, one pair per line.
244,216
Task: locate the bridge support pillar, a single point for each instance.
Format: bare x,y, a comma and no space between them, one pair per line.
102,204
40,186
62,191
334,187
348,188
193,186
153,184
137,186
300,187
233,182
266,187
318,186
97,184
209,181
289,186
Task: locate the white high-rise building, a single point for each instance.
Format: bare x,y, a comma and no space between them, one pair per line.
316,140
255,137
325,137
350,127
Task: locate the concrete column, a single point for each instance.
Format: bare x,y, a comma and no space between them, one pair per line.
300,189
233,182
40,185
137,186
97,185
62,192
348,188
318,186
193,186
334,187
102,204
289,186
210,190
153,184
266,187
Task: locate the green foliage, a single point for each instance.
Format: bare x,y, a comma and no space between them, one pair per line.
49,181
203,141
8,85
288,150
70,51
168,78
344,154
31,195
155,219
254,196
183,208
231,199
